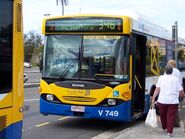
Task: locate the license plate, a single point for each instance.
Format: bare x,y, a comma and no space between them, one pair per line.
78,108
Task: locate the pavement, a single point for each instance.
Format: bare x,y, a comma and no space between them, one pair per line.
140,131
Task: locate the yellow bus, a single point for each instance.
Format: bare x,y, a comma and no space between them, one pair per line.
101,66
11,69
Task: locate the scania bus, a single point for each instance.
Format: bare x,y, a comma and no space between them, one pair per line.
101,66
11,69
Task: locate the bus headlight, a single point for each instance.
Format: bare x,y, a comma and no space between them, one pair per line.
111,101
49,97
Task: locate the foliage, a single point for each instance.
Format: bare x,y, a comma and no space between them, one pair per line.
33,46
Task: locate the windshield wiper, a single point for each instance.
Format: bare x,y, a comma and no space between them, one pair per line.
66,71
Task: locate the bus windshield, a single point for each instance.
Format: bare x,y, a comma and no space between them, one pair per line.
86,57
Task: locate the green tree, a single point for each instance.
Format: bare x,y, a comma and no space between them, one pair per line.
33,46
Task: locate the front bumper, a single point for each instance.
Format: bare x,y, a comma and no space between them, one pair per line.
121,112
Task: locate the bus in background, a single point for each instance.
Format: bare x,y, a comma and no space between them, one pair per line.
101,66
11,69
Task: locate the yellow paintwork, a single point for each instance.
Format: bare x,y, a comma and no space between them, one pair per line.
6,101
124,92
14,99
131,67
18,70
127,23
97,94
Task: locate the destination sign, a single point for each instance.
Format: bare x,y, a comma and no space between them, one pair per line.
84,25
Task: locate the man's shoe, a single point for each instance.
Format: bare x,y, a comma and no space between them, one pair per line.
164,131
170,135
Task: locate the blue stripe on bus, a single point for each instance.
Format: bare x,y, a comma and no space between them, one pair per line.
14,129
121,112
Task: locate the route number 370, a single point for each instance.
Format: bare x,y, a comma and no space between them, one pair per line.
108,113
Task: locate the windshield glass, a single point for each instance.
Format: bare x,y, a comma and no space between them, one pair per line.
87,57
61,52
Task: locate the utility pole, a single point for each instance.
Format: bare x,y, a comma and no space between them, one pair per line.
63,4
175,38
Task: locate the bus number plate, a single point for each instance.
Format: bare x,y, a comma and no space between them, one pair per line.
78,108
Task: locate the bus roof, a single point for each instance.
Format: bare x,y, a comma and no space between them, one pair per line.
140,23
143,25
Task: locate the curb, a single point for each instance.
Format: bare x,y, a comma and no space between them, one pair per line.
32,72
30,85
116,132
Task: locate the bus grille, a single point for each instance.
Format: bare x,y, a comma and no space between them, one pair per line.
3,122
79,99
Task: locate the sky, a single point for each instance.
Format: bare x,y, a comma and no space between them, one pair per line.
161,12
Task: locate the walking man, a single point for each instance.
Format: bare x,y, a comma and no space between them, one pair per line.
168,88
177,74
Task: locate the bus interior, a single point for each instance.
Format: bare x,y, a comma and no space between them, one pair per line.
138,69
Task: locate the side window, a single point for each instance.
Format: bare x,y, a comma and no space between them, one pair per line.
6,7
162,56
156,56
152,57
169,50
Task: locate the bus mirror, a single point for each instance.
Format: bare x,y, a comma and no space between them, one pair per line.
132,45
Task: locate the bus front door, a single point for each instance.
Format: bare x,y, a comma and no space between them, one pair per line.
138,75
